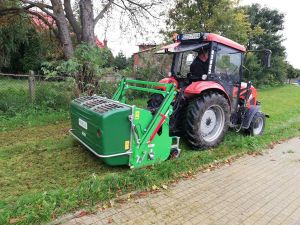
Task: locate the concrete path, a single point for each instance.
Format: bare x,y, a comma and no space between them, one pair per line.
253,190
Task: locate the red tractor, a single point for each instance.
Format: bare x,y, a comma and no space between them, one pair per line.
206,106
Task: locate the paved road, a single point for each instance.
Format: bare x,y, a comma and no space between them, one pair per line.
253,190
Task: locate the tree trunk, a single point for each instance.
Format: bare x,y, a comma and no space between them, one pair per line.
87,22
63,29
72,20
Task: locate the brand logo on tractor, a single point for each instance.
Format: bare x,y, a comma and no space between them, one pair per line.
211,61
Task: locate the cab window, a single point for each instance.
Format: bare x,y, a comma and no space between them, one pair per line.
228,63
183,62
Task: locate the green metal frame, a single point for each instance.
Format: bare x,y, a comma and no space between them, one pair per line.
125,85
142,147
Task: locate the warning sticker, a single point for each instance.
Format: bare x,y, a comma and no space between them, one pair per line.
137,115
127,145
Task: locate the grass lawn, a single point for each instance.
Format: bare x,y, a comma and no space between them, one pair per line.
45,173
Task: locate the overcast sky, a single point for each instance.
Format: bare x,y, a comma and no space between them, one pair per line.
291,32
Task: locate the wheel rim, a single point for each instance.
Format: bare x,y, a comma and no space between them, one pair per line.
258,126
174,154
212,123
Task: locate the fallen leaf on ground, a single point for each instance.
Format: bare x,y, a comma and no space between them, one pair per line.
111,203
143,193
165,187
53,216
129,196
229,161
81,214
121,201
207,170
154,187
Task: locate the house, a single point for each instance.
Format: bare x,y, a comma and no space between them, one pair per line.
144,49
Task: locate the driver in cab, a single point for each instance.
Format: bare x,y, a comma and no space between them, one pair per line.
199,66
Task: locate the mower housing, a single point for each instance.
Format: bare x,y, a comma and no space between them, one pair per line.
123,134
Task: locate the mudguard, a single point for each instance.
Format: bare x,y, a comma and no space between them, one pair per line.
167,80
195,88
249,114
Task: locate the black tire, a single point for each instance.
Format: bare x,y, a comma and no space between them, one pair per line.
207,120
175,153
257,125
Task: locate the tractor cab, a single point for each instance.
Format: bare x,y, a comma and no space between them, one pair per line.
225,59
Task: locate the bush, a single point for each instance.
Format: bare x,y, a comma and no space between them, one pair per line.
87,63
107,88
260,76
55,95
120,62
23,48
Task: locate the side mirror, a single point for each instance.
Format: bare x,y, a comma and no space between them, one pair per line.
267,58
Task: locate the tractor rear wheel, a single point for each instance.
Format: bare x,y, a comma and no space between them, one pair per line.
207,120
257,125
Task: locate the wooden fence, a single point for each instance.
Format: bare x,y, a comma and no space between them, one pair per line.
31,82
32,78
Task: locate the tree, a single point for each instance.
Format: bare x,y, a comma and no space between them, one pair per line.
253,26
82,24
292,73
22,48
271,22
120,61
216,16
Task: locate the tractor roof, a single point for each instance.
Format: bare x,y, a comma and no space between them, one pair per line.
224,41
202,39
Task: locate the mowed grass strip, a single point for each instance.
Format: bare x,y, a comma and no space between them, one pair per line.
44,178
42,159
24,135
32,118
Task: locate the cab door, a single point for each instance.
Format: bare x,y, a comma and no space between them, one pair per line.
226,70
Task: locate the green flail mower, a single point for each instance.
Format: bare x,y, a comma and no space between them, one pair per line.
123,134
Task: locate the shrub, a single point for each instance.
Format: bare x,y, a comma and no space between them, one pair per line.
107,88
87,63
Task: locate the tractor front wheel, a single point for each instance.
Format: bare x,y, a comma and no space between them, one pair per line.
207,120
257,125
